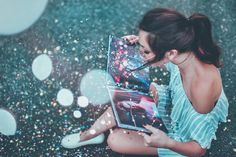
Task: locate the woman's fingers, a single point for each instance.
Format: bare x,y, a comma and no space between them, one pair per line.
151,128
132,39
153,92
147,139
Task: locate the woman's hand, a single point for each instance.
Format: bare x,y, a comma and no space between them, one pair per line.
132,39
153,92
157,139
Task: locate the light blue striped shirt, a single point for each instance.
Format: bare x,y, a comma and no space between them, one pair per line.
182,121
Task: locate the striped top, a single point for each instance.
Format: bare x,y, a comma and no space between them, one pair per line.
183,122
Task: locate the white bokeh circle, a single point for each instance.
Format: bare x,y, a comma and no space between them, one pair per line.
7,123
77,114
82,101
65,97
16,16
94,86
42,67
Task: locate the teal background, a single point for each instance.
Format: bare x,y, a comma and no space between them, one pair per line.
81,28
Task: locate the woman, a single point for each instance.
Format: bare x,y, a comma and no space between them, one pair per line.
195,93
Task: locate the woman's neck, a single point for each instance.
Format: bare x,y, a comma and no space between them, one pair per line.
187,63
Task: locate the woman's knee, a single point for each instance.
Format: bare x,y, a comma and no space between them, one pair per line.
128,142
113,141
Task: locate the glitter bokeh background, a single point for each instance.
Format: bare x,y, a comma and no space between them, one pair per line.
75,35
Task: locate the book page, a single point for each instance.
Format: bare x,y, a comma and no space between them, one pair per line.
134,109
121,59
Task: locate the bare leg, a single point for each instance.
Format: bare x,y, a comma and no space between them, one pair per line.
105,122
119,140
129,142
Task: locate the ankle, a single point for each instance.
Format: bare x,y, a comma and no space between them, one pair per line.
84,136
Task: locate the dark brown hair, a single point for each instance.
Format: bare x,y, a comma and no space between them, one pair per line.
169,29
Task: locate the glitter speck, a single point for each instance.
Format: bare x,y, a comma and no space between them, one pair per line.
103,122
58,48
92,131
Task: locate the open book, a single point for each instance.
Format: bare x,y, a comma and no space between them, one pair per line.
131,103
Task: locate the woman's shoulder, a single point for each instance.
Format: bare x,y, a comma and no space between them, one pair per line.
206,90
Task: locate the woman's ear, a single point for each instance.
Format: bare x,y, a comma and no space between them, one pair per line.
172,54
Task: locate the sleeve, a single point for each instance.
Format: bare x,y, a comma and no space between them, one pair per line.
164,104
204,126
170,66
203,133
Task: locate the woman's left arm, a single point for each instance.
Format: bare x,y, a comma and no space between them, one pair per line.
159,139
